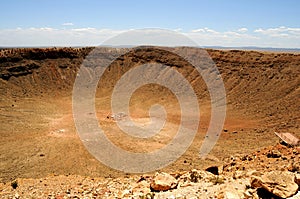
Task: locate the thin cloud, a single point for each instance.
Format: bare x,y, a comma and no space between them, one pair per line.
278,37
42,29
205,30
281,31
178,30
242,30
67,24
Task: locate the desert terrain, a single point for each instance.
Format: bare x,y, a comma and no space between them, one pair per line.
39,139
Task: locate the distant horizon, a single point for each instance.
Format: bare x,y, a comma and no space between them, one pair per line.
280,37
130,46
246,48
229,23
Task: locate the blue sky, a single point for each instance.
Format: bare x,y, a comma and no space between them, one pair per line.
266,23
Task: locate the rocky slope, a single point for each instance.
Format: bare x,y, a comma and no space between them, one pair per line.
41,155
258,83
273,172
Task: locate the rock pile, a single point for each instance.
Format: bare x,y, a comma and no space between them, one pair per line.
278,157
241,177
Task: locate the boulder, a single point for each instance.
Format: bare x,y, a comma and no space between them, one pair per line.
297,196
230,191
279,183
231,195
163,182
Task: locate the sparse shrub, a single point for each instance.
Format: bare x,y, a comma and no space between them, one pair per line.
147,196
195,176
217,180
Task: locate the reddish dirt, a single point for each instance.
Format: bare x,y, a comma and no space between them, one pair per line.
38,136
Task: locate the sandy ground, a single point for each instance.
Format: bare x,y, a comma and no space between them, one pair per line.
39,138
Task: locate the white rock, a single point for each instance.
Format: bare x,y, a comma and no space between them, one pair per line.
280,183
163,182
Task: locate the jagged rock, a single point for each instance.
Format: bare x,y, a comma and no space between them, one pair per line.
141,187
194,176
297,179
279,183
125,193
294,167
248,194
253,173
163,182
239,174
20,70
17,196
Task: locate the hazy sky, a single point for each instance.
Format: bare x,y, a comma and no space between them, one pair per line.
264,23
